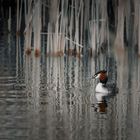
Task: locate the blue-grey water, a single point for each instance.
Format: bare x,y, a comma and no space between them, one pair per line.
53,98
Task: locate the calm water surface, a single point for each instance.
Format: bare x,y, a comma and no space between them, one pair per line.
53,98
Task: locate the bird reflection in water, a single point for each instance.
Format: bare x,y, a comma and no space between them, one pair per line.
101,103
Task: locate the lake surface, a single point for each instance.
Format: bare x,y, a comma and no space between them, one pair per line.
53,98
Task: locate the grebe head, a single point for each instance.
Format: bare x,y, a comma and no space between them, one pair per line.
102,76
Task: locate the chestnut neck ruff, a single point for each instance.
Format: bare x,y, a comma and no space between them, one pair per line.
103,77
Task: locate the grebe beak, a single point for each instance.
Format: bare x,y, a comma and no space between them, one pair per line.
96,76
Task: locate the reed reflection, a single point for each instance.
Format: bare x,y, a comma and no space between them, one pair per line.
32,79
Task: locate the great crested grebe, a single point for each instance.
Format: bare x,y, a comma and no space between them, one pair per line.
103,78
103,90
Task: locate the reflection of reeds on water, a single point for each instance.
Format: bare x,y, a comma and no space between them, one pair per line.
32,80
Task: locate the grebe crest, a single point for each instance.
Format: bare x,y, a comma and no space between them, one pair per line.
102,76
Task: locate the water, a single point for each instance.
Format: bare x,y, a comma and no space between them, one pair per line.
52,98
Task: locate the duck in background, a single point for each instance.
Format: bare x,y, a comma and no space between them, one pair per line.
102,91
